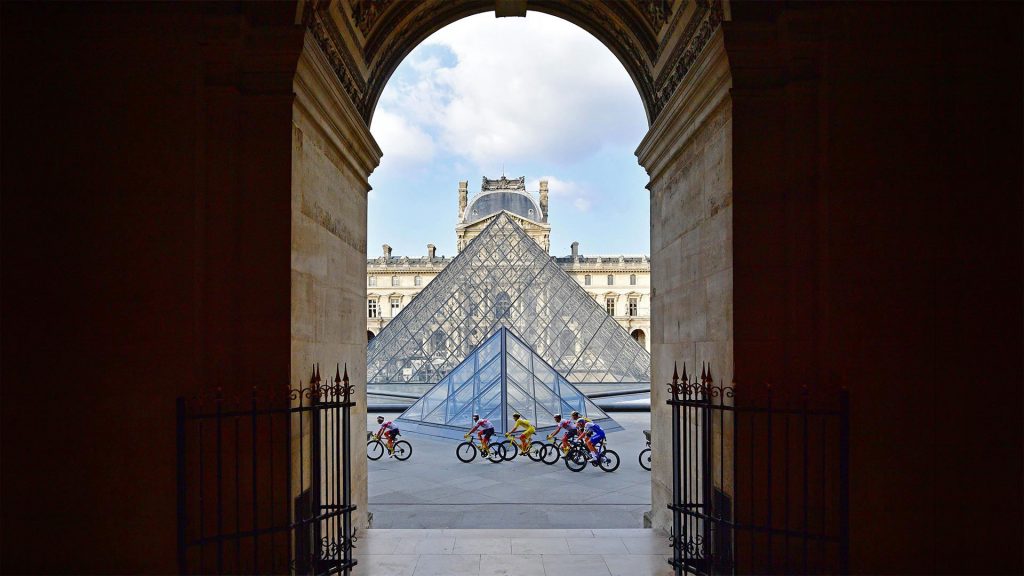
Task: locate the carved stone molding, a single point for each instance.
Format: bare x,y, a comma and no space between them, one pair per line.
384,31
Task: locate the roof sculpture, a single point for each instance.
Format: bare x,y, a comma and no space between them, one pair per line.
500,377
503,278
503,194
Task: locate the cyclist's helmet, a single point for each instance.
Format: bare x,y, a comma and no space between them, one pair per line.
380,419
580,423
476,417
516,415
575,415
558,417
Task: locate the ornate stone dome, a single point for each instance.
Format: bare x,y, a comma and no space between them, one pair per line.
502,194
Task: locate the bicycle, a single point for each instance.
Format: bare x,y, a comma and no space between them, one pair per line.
645,454
578,456
553,449
467,451
375,448
512,448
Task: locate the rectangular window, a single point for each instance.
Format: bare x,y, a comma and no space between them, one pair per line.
609,305
632,279
371,308
586,280
396,303
394,280
372,281
633,306
418,281
611,279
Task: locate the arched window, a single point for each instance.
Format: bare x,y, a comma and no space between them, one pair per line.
639,336
632,279
501,305
418,281
394,280
369,336
372,281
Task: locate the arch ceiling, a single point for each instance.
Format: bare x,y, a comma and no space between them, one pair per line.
655,40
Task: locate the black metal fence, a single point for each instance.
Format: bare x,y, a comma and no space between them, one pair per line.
264,481
759,485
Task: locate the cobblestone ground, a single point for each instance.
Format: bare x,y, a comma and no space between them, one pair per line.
434,490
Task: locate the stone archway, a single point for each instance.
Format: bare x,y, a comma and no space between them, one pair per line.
639,336
673,52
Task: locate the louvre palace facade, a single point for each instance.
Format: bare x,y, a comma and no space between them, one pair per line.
620,284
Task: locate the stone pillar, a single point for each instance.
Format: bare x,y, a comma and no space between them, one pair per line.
463,198
333,155
544,200
688,155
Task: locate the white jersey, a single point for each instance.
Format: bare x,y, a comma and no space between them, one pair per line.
389,426
485,424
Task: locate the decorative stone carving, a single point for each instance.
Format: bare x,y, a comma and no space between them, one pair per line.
366,13
702,25
544,199
503,183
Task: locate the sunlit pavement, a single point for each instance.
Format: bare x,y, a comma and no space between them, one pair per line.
434,490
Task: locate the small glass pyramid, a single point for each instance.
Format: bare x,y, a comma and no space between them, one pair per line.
504,278
501,377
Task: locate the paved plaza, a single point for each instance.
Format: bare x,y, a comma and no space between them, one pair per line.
434,490
496,552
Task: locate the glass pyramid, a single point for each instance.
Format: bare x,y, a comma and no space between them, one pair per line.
501,377
504,278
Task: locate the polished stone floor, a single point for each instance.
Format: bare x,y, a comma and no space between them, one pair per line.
433,489
519,552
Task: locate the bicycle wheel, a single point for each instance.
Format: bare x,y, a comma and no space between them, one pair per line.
465,452
645,459
374,449
609,461
551,453
509,450
536,452
403,450
576,459
496,453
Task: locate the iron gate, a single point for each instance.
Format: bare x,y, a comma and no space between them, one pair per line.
758,486
264,481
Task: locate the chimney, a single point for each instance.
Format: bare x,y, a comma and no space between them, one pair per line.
575,250
387,251
431,251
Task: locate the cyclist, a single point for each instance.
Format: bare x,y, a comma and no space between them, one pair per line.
576,417
570,430
485,433
524,438
592,435
390,431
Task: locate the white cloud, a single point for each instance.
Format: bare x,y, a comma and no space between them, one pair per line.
567,192
516,91
406,145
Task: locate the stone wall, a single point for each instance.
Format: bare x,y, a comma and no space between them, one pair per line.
333,154
688,155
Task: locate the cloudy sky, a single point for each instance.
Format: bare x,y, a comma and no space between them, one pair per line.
538,96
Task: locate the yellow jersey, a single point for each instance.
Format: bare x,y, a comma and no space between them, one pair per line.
525,425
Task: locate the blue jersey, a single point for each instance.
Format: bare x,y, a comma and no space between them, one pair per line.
594,430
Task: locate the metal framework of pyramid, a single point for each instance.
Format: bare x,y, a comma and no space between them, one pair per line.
503,278
501,377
